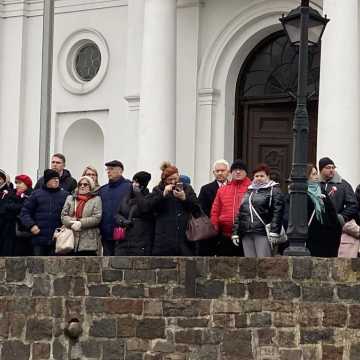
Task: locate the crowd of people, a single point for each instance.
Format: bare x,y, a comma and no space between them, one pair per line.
248,213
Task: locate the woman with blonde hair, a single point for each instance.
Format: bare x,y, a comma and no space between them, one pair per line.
82,213
92,173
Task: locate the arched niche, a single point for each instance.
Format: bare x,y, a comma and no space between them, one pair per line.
83,145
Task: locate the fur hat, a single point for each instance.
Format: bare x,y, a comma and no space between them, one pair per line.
168,170
25,179
143,178
50,174
324,162
238,165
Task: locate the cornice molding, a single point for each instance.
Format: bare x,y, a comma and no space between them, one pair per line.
32,8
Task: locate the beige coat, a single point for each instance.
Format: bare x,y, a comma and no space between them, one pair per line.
88,238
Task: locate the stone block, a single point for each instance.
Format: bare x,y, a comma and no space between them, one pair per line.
128,291
285,290
266,336
355,351
15,350
247,268
189,336
39,329
273,268
40,351
166,276
284,319
193,323
99,290
126,326
35,265
354,321
291,354
59,350
260,320
310,315
72,266
240,321
78,286
112,275
223,267
153,308
113,350
318,292
237,344
335,315
258,290
209,289
124,306
15,269
287,338
236,290
90,349
119,262
92,265
62,286
94,305
302,268
41,286
349,292
104,328
150,328
186,308
330,352
140,276
314,336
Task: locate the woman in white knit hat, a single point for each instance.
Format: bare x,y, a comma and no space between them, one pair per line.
82,213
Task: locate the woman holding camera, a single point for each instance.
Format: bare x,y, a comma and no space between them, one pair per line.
136,219
173,203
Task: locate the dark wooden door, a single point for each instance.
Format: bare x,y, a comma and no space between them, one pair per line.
267,136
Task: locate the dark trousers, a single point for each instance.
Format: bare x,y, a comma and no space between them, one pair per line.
43,250
82,253
225,247
108,247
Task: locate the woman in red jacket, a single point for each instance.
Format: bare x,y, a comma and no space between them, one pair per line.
226,206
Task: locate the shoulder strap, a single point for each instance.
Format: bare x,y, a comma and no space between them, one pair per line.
252,209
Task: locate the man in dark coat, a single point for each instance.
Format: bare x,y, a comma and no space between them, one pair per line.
112,194
67,182
137,219
221,171
7,217
41,213
339,190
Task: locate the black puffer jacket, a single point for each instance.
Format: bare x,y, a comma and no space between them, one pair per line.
342,196
268,203
43,208
139,221
171,219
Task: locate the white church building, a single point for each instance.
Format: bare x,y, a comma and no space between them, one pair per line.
189,81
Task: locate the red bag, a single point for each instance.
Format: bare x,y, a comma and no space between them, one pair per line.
118,233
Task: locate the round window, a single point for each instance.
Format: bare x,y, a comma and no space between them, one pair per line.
88,61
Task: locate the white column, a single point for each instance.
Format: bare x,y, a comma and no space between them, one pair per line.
133,76
339,121
204,136
158,90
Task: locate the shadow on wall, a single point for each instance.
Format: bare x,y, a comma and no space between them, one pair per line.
84,145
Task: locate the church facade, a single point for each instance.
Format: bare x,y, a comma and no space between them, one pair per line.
189,81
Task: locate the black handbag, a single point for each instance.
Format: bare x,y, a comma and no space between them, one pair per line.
200,228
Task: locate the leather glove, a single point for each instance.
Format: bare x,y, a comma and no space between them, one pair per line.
76,226
235,239
274,238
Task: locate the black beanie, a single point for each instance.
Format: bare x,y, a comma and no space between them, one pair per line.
324,162
143,178
238,165
50,174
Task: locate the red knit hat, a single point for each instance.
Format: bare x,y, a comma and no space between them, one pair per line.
25,179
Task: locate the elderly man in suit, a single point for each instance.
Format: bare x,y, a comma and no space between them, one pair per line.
221,171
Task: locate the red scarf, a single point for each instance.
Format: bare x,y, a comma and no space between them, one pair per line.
80,202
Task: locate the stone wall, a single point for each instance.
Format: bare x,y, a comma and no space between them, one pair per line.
180,308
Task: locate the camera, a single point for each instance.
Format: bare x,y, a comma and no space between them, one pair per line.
179,186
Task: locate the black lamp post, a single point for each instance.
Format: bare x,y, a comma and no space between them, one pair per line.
304,27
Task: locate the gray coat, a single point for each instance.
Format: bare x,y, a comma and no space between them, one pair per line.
88,238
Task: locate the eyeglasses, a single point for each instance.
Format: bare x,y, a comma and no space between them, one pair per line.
83,184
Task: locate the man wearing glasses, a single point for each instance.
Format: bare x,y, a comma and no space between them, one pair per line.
339,190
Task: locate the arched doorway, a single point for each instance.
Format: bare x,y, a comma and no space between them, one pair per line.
83,145
265,104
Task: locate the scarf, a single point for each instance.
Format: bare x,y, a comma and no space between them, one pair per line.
316,196
258,185
80,204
